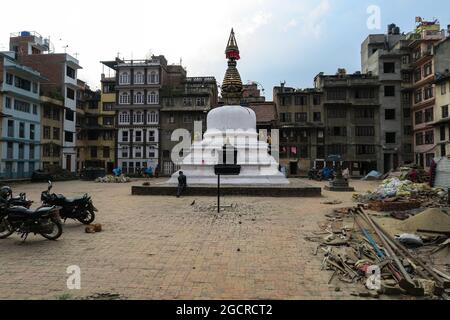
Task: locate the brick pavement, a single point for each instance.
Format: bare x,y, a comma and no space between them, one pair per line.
164,248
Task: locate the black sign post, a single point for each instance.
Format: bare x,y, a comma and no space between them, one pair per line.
227,166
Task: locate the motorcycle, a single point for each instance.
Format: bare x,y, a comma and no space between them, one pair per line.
20,201
44,221
80,208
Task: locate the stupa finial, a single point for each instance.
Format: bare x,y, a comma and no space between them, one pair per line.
232,83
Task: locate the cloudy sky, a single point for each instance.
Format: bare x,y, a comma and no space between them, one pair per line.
280,40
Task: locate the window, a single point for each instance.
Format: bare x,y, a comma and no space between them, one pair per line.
429,115
428,69
21,151
32,131
443,88
444,111
7,102
153,77
108,135
139,78
93,152
70,72
406,59
200,101
124,78
364,93
109,88
301,100
68,136
35,109
138,117
138,136
124,117
337,113
418,117
285,117
418,96
391,137
406,77
317,117
417,75
389,91
389,114
138,152
286,100
151,136
187,118
92,135
407,148
152,117
153,98
125,152
365,149
442,133
10,150
124,136
337,131
22,83
46,132
21,106
337,149
429,93
171,118
70,94
337,94
124,98
301,117
107,106
429,137
108,121
364,113
407,113
106,152
419,139
389,67
138,98
9,79
151,152
187,101
55,133
365,131
22,130
11,128
55,114
70,115
408,130
316,100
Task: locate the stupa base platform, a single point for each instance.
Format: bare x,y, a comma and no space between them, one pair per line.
293,190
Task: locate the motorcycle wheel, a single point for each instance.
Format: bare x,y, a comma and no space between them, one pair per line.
88,218
5,229
57,230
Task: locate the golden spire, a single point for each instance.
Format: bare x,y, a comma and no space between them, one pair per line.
232,83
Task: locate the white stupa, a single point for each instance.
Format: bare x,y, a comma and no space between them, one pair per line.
235,125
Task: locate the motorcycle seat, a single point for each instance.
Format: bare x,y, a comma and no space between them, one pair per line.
24,212
76,199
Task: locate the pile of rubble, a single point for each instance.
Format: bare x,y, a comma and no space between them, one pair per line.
395,194
113,179
358,249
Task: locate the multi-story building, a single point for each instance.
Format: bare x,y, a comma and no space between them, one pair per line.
138,85
21,128
52,124
441,114
422,46
301,124
90,131
60,71
184,101
387,56
351,119
107,119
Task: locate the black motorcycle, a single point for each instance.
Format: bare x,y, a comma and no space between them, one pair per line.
44,221
80,208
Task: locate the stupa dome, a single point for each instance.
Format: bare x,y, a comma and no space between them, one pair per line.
231,117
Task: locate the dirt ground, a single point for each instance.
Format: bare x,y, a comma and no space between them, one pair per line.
169,248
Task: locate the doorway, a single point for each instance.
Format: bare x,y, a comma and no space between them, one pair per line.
69,162
293,168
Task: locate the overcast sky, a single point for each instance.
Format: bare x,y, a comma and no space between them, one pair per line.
280,40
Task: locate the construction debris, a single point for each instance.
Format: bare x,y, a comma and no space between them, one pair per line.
356,249
113,179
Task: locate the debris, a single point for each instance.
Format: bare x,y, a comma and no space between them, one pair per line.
434,220
399,215
410,239
332,202
113,179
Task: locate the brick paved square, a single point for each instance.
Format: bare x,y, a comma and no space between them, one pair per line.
164,248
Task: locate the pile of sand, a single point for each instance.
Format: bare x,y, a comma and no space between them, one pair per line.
430,219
